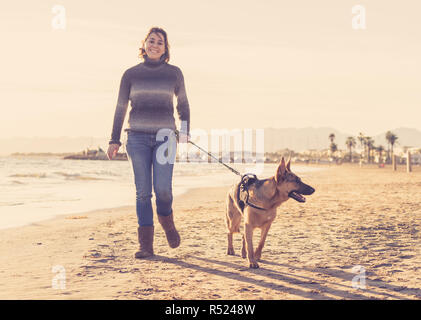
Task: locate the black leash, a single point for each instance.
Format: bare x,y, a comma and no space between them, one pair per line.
246,179
210,155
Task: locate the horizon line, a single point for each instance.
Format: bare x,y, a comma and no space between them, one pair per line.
208,130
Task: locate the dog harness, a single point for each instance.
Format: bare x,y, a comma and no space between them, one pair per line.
247,180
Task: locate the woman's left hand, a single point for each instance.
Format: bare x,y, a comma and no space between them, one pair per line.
182,137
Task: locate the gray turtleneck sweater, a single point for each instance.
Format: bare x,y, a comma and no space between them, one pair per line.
150,86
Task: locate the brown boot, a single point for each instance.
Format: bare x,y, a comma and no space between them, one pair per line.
167,223
145,237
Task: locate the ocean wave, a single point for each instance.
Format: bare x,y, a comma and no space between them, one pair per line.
17,182
29,175
104,172
76,176
11,204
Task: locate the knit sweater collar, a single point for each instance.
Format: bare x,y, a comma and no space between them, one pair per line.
154,63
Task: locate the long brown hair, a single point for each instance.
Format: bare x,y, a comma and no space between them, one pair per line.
142,53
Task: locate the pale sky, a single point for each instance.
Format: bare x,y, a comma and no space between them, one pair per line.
246,64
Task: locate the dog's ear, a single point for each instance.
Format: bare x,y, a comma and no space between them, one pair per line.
289,163
280,171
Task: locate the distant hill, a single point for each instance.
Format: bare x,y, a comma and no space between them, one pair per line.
317,138
407,137
297,139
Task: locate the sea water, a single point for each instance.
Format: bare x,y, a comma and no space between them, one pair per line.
33,189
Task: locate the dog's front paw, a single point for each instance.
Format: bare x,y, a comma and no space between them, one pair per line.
254,265
230,251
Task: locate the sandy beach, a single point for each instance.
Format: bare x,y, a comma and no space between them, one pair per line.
358,217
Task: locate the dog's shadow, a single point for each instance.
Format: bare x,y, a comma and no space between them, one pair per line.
318,289
371,285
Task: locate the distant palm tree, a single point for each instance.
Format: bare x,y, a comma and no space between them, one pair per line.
391,139
380,150
369,142
333,148
361,139
388,134
350,143
332,137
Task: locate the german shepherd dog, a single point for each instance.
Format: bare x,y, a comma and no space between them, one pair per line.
265,197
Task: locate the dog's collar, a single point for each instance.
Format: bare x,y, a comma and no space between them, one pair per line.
254,206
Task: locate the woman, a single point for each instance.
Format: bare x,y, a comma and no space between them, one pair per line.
150,86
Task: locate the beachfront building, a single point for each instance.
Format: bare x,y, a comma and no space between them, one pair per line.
415,155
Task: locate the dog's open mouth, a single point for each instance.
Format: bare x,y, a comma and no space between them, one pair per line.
296,196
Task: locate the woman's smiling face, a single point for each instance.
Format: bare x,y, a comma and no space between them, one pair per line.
155,46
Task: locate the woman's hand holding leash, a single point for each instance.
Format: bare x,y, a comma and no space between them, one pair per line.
112,150
182,137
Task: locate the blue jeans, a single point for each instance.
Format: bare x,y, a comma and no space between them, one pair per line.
151,166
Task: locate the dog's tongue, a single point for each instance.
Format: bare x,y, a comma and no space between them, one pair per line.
296,196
